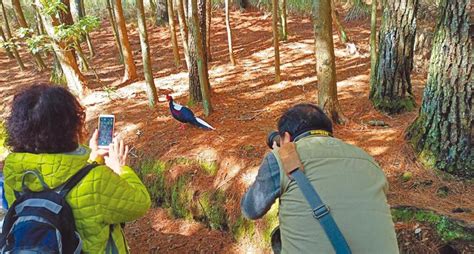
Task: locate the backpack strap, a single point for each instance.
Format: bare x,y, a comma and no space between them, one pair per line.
75,179
292,165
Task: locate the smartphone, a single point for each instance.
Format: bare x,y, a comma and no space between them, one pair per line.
106,130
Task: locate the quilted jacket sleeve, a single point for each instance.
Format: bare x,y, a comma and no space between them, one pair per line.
122,198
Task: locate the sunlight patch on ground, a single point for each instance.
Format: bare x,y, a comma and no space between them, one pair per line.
249,177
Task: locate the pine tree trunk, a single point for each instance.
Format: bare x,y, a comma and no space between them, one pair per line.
161,12
243,4
373,42
114,28
202,26
195,94
443,132
284,23
75,80
9,36
153,11
325,60
208,30
200,53
183,28
340,29
150,83
229,32
22,22
174,42
130,68
276,39
88,38
392,90
7,50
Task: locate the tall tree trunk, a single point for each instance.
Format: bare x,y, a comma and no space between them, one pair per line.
174,41
200,53
325,60
9,36
340,29
130,68
161,12
229,32
7,50
75,80
39,21
283,21
88,38
243,4
183,28
443,132
114,28
208,30
373,43
153,11
150,83
202,28
276,39
392,91
22,22
195,94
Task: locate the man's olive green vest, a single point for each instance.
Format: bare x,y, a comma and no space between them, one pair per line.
351,183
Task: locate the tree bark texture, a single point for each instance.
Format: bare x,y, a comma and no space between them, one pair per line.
8,34
325,60
130,68
340,29
276,40
196,28
283,21
208,29
22,22
114,28
76,82
174,41
183,29
195,94
373,42
161,12
443,132
392,90
229,32
150,87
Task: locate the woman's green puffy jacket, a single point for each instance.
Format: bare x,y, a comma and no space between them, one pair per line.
100,200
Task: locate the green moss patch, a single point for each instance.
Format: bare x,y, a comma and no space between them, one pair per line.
448,229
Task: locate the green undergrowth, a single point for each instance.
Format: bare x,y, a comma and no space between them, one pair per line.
448,229
182,199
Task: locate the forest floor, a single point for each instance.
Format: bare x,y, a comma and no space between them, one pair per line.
247,104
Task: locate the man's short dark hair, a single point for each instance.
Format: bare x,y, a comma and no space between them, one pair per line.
303,117
45,119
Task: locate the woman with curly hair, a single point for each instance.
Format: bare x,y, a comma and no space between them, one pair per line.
45,131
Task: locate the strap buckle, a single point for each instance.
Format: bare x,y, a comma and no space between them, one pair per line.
320,211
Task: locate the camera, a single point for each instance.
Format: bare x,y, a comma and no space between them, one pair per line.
273,136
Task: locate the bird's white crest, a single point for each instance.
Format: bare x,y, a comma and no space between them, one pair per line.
177,106
204,123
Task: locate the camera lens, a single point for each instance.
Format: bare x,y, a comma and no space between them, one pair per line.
273,137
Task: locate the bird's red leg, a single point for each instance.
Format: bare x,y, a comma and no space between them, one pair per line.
182,127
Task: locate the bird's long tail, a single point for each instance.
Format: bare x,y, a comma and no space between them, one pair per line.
202,124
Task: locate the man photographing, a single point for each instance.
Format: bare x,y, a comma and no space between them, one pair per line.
348,181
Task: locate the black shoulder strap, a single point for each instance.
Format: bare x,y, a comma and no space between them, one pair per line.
75,179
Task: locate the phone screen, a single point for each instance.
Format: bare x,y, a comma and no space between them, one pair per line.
106,130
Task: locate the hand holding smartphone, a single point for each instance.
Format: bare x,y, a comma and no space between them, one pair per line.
106,131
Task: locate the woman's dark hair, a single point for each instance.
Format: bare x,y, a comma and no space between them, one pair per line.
301,118
45,119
